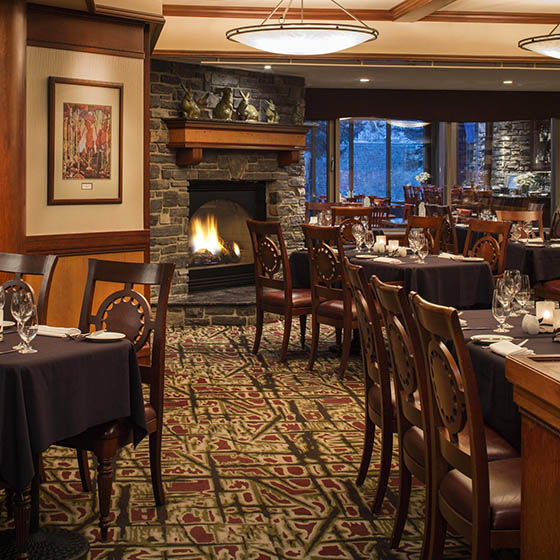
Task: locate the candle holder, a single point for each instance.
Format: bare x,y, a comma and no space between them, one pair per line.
556,326
545,316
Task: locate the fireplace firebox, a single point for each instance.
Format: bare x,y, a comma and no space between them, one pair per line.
220,252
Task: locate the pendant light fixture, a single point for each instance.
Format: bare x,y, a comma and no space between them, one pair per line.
549,45
301,37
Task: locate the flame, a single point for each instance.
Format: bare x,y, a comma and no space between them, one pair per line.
236,249
205,235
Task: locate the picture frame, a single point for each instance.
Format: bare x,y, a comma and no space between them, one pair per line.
85,139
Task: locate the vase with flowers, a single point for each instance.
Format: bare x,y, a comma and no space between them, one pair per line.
423,178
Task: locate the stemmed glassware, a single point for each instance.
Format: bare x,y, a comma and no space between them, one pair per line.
523,295
21,307
515,232
2,304
369,241
359,233
512,282
499,311
414,241
423,247
504,295
27,329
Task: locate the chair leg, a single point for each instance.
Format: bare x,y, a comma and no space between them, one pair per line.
302,327
338,338
258,332
286,337
105,453
42,473
369,438
155,467
386,452
22,513
9,503
315,330
346,342
438,531
405,483
83,465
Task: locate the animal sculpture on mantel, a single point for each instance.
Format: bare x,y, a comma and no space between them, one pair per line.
271,112
224,109
246,111
189,106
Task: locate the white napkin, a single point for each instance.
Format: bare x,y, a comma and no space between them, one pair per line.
463,323
535,240
507,348
466,259
530,324
387,260
446,255
58,332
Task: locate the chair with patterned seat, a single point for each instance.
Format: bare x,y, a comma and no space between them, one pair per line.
379,405
331,299
128,311
489,240
273,281
477,497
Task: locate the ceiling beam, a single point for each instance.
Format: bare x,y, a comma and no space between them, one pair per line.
415,10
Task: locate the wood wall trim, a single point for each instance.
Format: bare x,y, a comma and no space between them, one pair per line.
243,12
81,31
415,10
88,243
124,13
147,64
373,58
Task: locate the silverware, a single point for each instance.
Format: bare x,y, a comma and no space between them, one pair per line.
7,351
467,328
523,342
81,336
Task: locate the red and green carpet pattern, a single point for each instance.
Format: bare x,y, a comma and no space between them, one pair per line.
259,461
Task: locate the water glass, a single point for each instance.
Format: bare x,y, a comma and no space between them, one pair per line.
499,312
369,241
359,232
27,329
413,240
504,295
523,295
21,307
512,283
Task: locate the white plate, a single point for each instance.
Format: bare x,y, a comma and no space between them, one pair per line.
466,259
7,324
364,256
490,338
106,336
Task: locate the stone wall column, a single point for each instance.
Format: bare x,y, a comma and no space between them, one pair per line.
13,35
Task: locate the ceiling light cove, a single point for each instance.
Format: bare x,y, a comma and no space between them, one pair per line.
549,45
364,80
508,82
301,37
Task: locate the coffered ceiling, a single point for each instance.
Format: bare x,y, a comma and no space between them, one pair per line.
426,44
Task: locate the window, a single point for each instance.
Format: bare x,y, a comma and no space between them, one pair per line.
473,154
316,162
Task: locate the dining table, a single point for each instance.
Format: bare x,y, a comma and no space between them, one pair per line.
495,391
445,281
540,261
64,388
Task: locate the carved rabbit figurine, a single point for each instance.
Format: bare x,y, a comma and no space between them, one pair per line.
224,109
246,111
189,106
271,113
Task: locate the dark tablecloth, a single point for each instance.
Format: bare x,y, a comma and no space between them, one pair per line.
63,389
442,281
495,391
540,263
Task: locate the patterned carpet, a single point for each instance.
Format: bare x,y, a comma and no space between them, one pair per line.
259,463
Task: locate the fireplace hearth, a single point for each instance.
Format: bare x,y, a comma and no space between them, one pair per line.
220,252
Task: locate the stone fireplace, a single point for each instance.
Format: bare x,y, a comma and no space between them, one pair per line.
177,191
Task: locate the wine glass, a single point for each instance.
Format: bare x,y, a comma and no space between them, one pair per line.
512,282
423,248
369,241
359,232
2,304
524,293
499,312
504,295
528,229
515,232
413,241
27,329
20,307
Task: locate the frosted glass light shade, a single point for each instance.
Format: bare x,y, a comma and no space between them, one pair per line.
549,45
302,38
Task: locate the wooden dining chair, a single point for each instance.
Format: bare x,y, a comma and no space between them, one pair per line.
448,236
554,232
128,311
478,498
489,240
431,226
19,507
380,216
29,267
379,405
418,194
408,193
411,390
346,216
331,299
521,216
273,281
315,208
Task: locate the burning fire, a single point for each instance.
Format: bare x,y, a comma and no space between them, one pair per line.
205,237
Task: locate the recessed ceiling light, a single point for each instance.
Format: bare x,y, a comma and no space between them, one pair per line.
364,80
508,81
267,67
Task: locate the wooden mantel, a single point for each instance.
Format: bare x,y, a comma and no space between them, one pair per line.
190,137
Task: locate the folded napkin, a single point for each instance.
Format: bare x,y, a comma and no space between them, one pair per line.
507,348
387,260
446,255
535,240
466,259
58,332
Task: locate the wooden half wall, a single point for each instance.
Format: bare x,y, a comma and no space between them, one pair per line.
88,47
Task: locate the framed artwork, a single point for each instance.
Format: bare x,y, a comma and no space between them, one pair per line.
540,145
85,142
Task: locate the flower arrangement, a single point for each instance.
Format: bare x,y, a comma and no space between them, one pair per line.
423,178
527,181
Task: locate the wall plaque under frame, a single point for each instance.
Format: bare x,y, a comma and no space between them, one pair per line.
85,142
